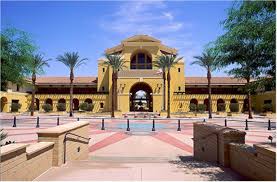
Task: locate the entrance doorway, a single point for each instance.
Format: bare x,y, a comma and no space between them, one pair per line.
141,97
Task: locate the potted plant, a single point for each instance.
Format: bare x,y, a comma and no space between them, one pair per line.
84,106
47,107
61,107
267,109
15,107
193,108
234,108
201,108
221,107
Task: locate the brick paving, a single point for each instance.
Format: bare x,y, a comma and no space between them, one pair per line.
141,146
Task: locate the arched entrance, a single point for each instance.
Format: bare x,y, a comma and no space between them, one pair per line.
141,97
4,102
75,104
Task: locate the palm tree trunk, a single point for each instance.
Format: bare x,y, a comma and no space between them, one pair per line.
164,80
209,76
113,94
249,101
115,89
33,94
168,93
71,94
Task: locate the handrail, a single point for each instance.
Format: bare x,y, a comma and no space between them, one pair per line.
64,142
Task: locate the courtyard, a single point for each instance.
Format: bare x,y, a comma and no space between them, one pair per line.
138,154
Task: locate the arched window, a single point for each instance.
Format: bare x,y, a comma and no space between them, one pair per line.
75,104
233,101
89,101
206,102
49,101
194,101
141,61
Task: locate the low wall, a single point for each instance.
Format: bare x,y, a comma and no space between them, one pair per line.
215,143
75,148
211,142
25,162
257,162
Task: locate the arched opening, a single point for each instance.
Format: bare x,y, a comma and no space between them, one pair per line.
62,101
245,105
220,105
37,104
75,104
4,102
141,97
49,101
194,101
233,101
206,102
141,60
89,101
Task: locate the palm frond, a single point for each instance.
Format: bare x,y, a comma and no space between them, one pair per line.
72,60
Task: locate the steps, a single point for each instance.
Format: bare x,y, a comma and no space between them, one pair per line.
141,115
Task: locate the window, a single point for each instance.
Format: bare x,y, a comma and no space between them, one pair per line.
17,88
141,61
103,70
267,101
179,70
179,88
101,105
103,88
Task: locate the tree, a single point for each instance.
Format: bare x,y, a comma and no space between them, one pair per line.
160,63
116,62
249,42
37,64
168,61
207,61
17,49
71,60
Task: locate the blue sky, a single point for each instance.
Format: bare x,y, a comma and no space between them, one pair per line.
91,27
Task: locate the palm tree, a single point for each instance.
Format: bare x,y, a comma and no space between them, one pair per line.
37,64
168,61
116,62
207,61
160,63
72,60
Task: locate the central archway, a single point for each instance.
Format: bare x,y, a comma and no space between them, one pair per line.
141,98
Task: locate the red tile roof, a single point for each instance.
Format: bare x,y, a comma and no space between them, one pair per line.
214,81
63,80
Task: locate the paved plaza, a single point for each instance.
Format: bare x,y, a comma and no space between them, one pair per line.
138,154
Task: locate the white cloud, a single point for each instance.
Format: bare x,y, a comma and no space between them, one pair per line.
168,15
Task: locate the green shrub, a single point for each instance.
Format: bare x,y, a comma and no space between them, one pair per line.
192,107
90,107
15,107
61,107
221,107
267,107
47,107
84,106
234,107
201,107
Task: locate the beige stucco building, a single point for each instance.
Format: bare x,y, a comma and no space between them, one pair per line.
139,86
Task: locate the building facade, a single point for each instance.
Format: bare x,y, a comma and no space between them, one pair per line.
139,85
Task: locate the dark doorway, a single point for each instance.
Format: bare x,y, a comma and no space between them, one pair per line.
141,98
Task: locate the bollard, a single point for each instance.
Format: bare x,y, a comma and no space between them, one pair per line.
225,122
246,124
153,128
37,126
128,125
269,125
78,119
58,121
14,121
179,125
103,127
204,120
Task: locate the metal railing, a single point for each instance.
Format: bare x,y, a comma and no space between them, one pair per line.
65,139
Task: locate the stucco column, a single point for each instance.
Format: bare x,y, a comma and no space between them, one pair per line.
67,101
55,102
214,105
227,102
240,105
